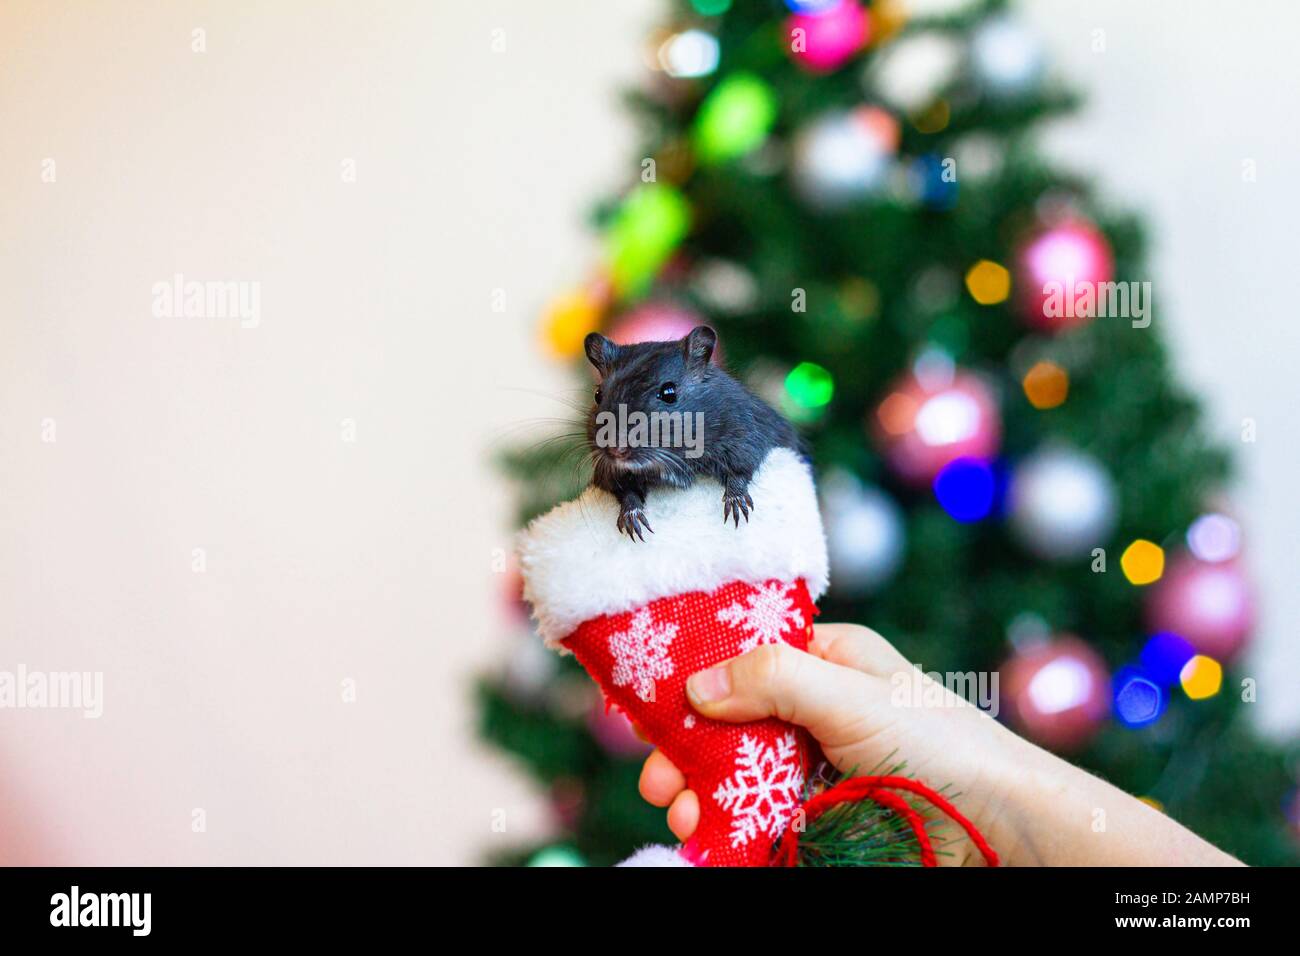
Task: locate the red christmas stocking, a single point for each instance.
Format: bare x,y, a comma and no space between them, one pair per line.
642,617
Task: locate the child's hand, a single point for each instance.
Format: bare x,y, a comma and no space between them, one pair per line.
1031,806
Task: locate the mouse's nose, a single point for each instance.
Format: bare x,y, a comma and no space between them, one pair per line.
618,453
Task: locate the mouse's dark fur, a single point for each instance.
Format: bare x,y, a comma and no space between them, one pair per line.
739,428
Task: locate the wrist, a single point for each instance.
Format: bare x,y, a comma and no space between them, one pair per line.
1025,790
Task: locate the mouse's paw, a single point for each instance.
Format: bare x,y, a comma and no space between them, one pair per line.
632,521
734,504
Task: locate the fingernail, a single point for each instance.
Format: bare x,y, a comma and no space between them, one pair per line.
710,686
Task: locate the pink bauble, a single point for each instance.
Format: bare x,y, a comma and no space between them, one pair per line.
921,425
657,322
1209,604
826,40
1058,272
1056,693
614,732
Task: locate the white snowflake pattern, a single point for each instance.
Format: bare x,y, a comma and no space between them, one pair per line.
764,790
767,614
641,654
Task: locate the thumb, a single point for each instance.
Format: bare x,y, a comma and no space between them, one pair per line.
833,702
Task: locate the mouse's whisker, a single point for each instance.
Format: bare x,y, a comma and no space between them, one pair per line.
567,429
577,399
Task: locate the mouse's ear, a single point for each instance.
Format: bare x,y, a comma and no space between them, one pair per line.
697,347
600,351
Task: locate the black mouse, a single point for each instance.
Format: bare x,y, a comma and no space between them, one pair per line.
664,415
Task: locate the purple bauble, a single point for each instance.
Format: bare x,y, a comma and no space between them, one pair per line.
1209,604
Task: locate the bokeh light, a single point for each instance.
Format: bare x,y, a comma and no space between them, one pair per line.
887,18
1164,656
810,6
947,418
881,125
809,385
1053,266
1062,254
897,413
988,282
689,54
966,488
933,118
557,856
934,369
934,182
1214,538
734,118
645,231
1212,605
1006,55
1202,677
1061,685
858,299
934,415
1046,385
825,38
568,319
1143,562
1138,699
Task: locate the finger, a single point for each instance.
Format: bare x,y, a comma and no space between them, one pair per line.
775,680
661,781
684,815
861,648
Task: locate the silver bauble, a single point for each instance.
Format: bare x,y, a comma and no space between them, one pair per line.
1006,56
837,160
864,534
1062,504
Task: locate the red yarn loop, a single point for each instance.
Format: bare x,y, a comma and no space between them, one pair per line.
879,790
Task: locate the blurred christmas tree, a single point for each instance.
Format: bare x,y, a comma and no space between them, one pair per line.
1012,481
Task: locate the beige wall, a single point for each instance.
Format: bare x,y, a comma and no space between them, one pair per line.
369,560
326,560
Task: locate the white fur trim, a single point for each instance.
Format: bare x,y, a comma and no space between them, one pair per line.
656,854
578,566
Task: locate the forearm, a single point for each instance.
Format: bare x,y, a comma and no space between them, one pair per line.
1058,815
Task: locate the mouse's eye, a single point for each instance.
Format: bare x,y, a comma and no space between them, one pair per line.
668,392
599,394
